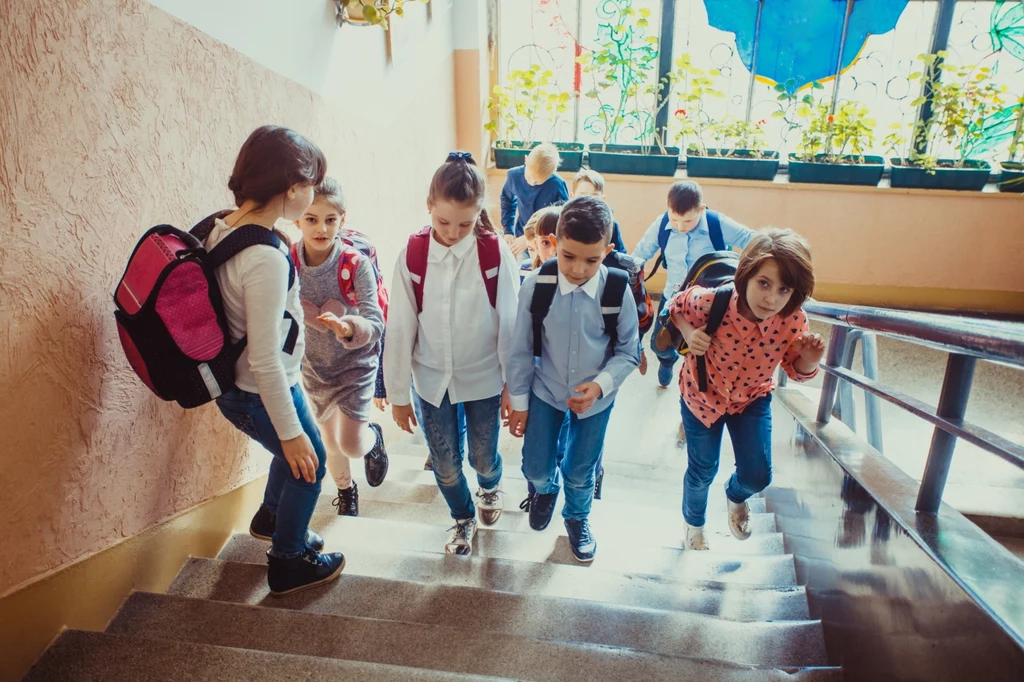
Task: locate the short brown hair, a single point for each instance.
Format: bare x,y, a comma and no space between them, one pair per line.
791,252
587,220
591,176
684,196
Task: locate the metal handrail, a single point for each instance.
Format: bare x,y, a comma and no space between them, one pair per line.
965,340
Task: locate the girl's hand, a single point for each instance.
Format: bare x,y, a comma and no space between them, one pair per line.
643,363
301,457
811,348
405,417
517,423
341,328
591,392
518,245
506,406
381,403
699,341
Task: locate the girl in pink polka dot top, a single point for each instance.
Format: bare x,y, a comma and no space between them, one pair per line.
763,328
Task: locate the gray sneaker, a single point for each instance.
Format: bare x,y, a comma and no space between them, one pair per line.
489,504
460,538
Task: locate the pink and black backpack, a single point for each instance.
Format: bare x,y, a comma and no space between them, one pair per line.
170,315
355,247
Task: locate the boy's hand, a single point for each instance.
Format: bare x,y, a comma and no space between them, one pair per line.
811,348
381,403
699,341
506,406
518,245
509,238
591,392
404,417
643,363
341,329
517,423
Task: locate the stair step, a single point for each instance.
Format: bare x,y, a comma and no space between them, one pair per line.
787,643
436,647
97,656
616,554
618,531
732,601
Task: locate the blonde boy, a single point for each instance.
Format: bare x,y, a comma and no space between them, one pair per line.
529,188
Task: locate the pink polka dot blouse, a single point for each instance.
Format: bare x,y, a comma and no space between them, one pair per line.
742,358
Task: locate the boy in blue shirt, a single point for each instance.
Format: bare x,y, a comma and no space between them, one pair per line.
684,233
529,188
576,340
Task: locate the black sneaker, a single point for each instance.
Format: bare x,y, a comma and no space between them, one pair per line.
542,507
376,460
598,481
264,524
347,501
583,544
309,569
526,504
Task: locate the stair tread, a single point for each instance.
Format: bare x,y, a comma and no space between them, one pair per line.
80,655
427,646
735,601
787,643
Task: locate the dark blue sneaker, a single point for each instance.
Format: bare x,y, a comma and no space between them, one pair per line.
665,373
542,508
376,461
264,524
309,569
583,544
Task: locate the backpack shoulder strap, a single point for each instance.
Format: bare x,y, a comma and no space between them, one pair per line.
714,219
204,227
416,261
241,238
615,287
663,235
489,253
296,261
348,264
543,295
719,306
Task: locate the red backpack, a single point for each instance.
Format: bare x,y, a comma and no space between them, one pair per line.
488,248
355,246
170,315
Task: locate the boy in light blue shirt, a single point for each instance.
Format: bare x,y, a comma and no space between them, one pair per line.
576,340
684,233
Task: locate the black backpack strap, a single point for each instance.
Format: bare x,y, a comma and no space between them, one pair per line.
714,220
662,245
543,295
611,302
238,240
204,227
719,306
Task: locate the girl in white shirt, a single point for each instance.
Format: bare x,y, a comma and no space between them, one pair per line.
274,177
450,325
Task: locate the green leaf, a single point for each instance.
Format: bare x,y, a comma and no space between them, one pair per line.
992,132
1007,28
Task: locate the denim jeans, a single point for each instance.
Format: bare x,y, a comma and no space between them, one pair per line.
751,434
669,355
563,438
584,443
444,431
291,499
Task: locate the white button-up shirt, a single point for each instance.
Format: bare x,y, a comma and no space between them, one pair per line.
458,344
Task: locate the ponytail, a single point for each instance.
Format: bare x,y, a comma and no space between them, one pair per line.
484,224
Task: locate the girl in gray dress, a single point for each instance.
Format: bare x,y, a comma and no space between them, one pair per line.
344,324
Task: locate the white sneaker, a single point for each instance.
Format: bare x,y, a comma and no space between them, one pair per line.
460,539
695,538
739,519
489,503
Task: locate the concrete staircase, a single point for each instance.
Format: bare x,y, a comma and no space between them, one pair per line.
519,608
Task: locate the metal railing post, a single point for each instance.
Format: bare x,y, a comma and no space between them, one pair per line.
836,349
956,389
845,408
872,406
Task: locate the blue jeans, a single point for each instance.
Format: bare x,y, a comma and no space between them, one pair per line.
751,433
669,355
563,438
291,499
584,443
444,431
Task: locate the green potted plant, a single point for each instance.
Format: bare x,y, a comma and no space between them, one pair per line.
737,147
370,12
935,155
832,146
526,105
1011,175
621,71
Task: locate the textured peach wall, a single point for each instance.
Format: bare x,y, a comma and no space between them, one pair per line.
113,117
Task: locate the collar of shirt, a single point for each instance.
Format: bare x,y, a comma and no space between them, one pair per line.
589,287
439,251
764,326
